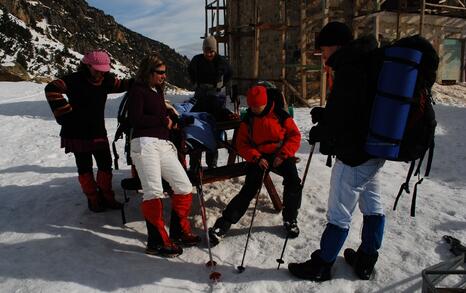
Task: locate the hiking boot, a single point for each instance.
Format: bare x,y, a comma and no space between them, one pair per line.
104,182
170,250
218,231
362,263
95,205
315,269
291,228
180,227
187,240
89,188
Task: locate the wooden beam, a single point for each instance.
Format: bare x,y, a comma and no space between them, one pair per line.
295,91
256,41
421,18
445,6
303,48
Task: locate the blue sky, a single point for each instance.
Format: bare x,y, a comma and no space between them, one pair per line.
177,23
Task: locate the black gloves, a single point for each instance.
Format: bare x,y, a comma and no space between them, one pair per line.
317,114
314,135
67,118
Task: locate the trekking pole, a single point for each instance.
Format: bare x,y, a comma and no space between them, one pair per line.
214,276
241,268
280,260
307,164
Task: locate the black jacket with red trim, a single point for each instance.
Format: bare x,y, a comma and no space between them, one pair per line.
81,115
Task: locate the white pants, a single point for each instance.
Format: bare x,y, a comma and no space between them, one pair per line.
156,159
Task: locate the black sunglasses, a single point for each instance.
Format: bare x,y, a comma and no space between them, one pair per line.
160,72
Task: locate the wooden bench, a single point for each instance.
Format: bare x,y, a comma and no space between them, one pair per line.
233,169
236,169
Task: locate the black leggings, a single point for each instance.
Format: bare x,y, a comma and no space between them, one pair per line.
84,161
291,191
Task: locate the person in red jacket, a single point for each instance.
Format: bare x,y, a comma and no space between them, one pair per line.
267,138
81,117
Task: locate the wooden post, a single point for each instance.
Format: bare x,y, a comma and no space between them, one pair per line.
323,74
283,20
226,44
303,49
218,20
206,20
376,26
256,40
398,18
421,19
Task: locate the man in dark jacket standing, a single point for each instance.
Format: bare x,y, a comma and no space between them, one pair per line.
342,130
209,72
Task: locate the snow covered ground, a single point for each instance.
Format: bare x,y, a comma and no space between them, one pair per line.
50,242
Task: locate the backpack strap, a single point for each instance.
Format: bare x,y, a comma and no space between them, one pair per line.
329,161
405,185
430,158
413,201
115,155
418,171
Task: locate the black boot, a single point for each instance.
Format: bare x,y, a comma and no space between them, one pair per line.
211,159
362,263
177,235
218,231
291,228
154,241
155,244
315,269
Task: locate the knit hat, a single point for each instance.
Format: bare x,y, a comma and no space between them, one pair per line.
257,96
334,34
99,60
209,42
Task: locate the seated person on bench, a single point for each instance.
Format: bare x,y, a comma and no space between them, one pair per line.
267,138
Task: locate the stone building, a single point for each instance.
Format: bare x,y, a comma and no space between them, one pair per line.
274,39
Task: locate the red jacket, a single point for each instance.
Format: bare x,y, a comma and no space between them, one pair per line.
266,135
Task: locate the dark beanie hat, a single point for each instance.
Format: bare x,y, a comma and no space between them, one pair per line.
334,34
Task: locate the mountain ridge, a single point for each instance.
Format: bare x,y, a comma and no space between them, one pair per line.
48,38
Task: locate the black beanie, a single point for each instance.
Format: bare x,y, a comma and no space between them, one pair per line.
334,34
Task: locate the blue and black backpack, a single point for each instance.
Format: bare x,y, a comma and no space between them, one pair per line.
402,124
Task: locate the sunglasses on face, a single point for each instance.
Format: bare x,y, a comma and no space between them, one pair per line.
160,72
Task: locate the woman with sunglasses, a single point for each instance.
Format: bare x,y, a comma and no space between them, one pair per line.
155,157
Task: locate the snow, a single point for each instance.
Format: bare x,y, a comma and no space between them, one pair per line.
50,242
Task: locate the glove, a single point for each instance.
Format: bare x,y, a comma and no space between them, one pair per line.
317,114
314,135
67,118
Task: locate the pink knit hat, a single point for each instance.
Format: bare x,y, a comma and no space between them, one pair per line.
99,60
257,96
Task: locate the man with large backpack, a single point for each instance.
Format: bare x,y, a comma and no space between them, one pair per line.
342,131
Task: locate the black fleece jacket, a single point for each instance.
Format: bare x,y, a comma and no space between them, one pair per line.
347,112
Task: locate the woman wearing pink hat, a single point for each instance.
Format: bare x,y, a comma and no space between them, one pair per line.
81,117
